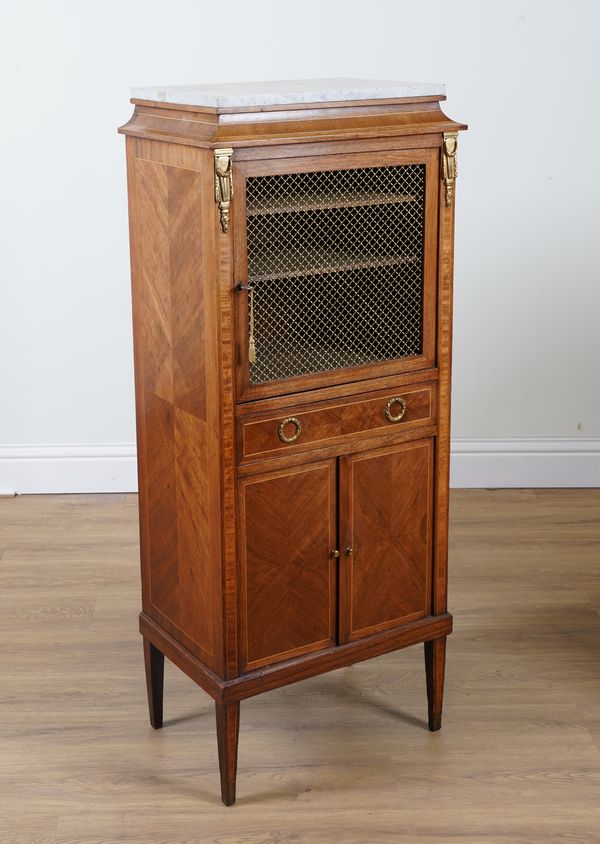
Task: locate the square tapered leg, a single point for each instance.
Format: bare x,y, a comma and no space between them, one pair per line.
154,662
435,663
228,725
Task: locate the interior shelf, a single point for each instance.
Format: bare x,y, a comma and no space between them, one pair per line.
319,202
326,357
324,262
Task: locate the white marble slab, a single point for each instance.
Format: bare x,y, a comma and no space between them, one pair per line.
233,94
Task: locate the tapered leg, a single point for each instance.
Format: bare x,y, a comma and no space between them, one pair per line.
228,727
154,661
435,663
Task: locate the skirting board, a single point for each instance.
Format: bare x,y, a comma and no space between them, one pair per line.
67,468
475,463
518,463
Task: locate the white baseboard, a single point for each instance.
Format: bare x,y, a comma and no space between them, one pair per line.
475,463
67,468
511,462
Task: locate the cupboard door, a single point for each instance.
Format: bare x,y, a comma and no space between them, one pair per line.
288,571
335,261
387,499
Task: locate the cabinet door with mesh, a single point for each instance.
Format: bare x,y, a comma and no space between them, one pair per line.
288,571
335,264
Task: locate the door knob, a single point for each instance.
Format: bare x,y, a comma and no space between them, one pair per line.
335,553
349,551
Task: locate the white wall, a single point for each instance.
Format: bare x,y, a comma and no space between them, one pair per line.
523,74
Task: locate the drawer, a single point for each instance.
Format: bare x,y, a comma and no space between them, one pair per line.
296,428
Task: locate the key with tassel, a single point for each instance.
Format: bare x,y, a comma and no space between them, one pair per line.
251,343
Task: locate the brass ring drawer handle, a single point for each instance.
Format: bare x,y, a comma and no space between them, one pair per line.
291,420
388,409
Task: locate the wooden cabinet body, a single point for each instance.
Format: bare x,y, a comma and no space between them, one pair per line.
292,289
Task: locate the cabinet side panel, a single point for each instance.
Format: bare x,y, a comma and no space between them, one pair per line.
177,405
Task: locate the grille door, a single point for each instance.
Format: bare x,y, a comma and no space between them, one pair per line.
337,271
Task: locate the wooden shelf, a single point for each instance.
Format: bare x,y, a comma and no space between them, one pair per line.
329,264
322,203
331,357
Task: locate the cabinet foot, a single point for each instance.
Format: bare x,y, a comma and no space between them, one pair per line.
435,663
154,662
228,726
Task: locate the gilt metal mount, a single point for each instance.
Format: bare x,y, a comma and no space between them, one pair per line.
449,164
223,183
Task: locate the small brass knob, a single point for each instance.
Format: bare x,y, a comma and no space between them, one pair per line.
335,553
349,551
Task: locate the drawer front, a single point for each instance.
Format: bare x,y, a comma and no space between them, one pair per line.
296,428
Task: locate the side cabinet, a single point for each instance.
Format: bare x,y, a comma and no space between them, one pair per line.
292,301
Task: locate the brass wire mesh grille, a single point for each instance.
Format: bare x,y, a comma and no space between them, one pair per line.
335,261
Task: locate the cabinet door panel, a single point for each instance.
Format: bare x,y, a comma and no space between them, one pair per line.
337,259
288,574
387,497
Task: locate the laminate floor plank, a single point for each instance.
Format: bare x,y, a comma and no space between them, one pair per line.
343,758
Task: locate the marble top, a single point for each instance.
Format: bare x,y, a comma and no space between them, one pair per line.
233,94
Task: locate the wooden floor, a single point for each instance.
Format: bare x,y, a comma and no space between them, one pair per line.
344,758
